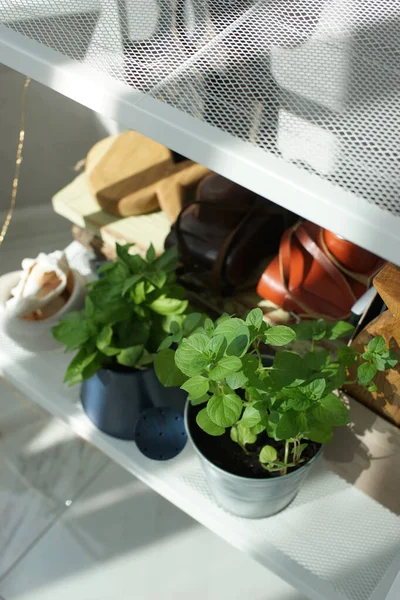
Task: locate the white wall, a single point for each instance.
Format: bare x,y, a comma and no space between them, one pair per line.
59,132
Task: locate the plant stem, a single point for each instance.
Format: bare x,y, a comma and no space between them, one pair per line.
285,460
256,347
294,450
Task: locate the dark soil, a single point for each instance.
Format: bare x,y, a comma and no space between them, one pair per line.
229,456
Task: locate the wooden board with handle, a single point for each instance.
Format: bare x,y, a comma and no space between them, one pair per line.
385,401
130,174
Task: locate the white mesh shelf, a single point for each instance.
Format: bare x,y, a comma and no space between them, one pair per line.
298,100
333,543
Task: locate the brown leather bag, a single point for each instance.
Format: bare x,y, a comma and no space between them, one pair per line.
225,233
306,278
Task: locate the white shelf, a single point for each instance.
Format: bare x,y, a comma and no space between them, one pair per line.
333,543
298,101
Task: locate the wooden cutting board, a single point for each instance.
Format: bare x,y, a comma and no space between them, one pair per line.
386,401
130,174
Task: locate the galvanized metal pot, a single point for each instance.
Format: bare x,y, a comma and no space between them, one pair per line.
247,497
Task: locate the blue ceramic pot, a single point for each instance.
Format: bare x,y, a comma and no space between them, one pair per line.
114,400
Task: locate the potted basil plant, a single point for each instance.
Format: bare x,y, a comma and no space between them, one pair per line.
257,428
127,314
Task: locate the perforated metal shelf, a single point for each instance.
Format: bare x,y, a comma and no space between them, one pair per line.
298,100
334,542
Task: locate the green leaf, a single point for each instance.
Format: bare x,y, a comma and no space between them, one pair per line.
316,360
103,342
216,347
239,346
224,317
372,388
78,365
347,356
89,308
302,424
377,344
138,292
331,411
156,278
196,386
128,357
116,274
242,435
227,365
335,377
236,380
250,365
297,401
392,360
197,401
255,318
257,429
190,323
90,369
251,416
130,282
288,368
175,337
166,369
145,359
280,335
304,330
224,410
208,327
104,338
315,389
73,331
268,454
190,357
167,261
338,329
166,343
237,335
246,435
169,306
379,362
150,254
205,423
320,433
174,327
123,255
320,328
132,333
110,306
107,266
366,372
272,423
288,425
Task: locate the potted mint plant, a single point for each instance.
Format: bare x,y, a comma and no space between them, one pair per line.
127,314
257,428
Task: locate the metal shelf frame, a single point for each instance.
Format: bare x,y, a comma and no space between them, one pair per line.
267,173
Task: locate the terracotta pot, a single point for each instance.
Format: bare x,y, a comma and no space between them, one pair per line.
348,254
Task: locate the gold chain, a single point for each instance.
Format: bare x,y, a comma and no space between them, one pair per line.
18,161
